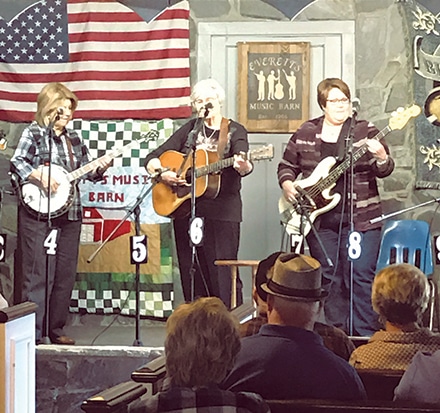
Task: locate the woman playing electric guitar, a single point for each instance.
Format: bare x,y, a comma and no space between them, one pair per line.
326,137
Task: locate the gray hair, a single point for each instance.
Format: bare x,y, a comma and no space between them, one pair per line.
206,85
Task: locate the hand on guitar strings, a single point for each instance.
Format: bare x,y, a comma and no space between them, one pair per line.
160,174
170,178
374,147
103,164
41,179
242,165
289,191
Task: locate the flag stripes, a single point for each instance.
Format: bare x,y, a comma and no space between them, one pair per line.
118,65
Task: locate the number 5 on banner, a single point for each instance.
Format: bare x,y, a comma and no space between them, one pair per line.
138,249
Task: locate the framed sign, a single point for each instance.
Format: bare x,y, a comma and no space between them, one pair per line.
273,85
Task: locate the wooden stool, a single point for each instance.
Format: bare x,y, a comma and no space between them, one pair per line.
234,264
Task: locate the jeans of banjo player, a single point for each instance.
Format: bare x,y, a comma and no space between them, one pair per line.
337,280
62,268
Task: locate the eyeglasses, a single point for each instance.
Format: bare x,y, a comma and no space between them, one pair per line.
343,101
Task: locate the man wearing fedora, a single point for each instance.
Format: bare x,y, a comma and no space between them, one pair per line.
286,359
333,338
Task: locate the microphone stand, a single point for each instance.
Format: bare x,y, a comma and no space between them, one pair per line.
135,209
304,210
349,152
45,339
401,211
192,139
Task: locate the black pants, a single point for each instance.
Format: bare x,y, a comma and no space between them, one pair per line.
221,242
60,268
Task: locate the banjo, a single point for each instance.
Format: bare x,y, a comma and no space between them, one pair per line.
36,200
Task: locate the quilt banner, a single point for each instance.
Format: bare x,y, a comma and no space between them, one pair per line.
106,275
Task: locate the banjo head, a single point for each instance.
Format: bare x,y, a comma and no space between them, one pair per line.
36,200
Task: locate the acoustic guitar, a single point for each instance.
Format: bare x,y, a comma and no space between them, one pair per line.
173,201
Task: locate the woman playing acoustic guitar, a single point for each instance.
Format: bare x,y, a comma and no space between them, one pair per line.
222,211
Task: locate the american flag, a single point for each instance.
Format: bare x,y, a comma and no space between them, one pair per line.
117,64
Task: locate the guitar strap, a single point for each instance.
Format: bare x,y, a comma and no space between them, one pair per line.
223,137
69,148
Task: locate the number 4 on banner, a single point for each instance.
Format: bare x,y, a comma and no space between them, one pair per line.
2,247
51,242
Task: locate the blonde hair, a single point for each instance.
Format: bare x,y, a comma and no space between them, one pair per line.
400,294
202,343
50,98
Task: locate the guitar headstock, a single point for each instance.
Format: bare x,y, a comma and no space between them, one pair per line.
260,154
401,116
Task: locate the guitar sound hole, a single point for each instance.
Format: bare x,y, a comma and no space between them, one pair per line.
188,176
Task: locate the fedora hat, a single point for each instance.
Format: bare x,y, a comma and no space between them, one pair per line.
262,273
296,277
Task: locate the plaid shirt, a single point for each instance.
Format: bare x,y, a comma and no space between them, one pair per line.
394,350
334,338
203,400
33,151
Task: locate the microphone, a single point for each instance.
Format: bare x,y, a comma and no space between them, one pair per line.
207,107
356,106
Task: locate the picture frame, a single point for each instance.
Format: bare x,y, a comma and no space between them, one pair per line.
273,85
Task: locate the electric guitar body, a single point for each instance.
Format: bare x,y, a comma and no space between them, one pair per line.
314,193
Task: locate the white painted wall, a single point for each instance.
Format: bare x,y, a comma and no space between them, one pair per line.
332,55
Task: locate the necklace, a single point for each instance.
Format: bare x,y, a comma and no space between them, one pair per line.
204,133
330,133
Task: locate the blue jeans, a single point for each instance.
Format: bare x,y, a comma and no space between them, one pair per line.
345,307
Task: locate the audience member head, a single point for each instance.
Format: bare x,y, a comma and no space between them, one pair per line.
294,291
201,344
400,295
264,269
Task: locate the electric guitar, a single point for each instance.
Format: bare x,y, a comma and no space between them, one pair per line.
314,191
173,201
35,199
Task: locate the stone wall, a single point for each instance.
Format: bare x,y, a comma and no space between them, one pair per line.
67,375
